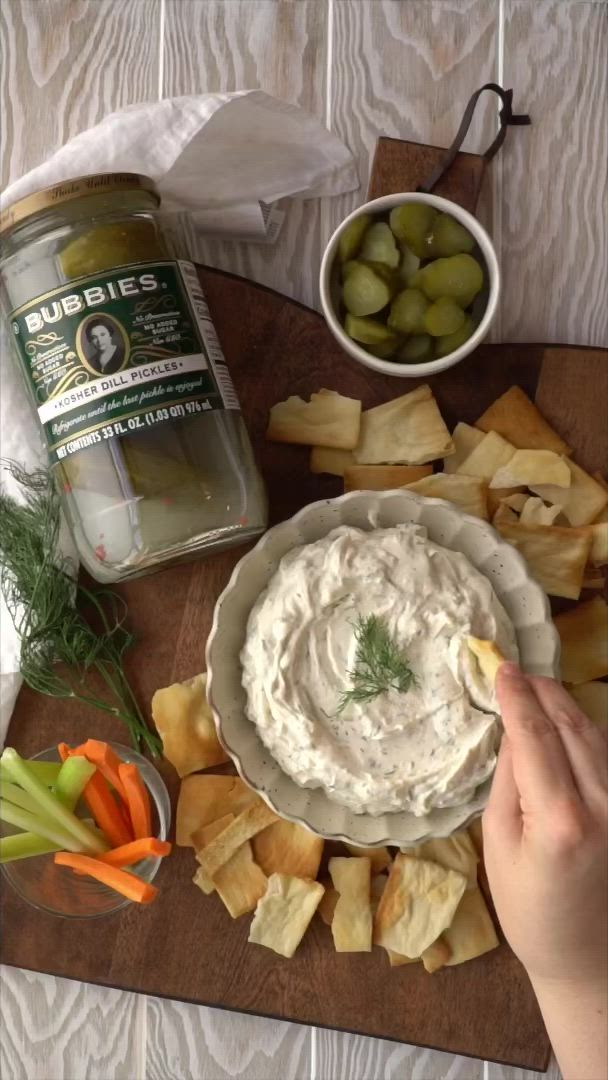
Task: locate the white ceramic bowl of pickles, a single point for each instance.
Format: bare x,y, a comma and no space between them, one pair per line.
409,284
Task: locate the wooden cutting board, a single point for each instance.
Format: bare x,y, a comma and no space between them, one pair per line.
185,945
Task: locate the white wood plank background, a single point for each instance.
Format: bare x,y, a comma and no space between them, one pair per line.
398,67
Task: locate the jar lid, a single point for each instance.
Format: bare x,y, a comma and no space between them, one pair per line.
78,188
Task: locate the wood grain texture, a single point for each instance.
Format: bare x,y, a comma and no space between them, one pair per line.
399,165
406,70
585,392
507,1072
274,45
341,1056
55,1028
65,64
188,1042
554,245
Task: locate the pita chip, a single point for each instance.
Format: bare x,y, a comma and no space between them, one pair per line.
185,724
455,852
288,848
200,839
417,905
583,500
556,556
468,493
203,799
379,857
328,419
249,822
536,512
488,656
465,439
528,467
383,477
490,455
517,419
326,459
352,922
471,932
408,430
284,912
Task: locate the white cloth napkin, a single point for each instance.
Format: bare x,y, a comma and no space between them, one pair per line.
213,154
223,158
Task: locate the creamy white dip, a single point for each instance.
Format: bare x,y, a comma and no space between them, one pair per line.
428,747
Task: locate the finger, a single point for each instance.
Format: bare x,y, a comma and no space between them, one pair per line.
541,768
502,818
582,739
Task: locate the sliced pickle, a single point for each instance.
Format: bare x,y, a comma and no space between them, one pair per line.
416,349
369,331
351,238
379,245
450,342
412,223
385,351
444,317
449,237
365,291
408,311
346,268
408,266
459,276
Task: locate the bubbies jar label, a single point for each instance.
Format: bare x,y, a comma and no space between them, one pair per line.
110,355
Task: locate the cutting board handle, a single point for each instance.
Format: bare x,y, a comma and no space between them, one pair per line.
408,166
507,118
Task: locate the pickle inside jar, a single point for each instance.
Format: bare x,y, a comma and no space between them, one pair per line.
152,479
106,246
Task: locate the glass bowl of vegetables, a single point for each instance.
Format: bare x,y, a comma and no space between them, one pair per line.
409,284
111,820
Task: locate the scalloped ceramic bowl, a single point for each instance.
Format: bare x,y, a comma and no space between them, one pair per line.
523,599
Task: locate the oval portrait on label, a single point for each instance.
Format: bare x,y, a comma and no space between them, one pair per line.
102,344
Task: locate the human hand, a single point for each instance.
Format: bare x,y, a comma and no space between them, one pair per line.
545,832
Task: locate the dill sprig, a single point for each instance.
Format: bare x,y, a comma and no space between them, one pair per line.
379,664
59,621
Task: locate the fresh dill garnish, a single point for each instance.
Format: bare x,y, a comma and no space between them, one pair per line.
379,663
67,631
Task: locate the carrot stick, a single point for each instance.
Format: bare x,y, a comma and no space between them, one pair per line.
64,750
101,803
137,850
107,761
127,884
105,810
138,800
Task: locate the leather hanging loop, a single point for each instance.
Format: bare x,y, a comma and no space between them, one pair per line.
507,119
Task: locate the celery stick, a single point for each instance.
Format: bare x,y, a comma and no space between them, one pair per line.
50,804
72,780
47,771
23,845
16,795
45,827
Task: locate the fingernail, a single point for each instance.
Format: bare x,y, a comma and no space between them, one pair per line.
510,671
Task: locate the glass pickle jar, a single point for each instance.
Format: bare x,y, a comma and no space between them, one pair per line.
125,371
